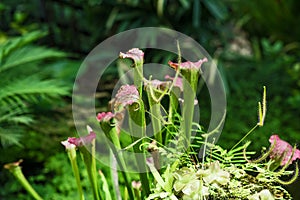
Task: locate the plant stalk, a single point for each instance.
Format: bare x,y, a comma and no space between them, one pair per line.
17,172
90,163
72,157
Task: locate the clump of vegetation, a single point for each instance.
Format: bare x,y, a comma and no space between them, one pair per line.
177,159
25,81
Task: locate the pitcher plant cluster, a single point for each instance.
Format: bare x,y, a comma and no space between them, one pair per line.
167,157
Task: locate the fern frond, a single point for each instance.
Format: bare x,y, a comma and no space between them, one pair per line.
23,89
234,156
9,136
19,89
29,54
12,44
15,115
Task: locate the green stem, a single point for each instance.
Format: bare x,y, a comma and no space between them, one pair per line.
155,115
122,166
138,77
143,175
137,194
105,187
172,111
114,177
17,172
116,147
141,163
244,137
139,129
90,163
188,112
157,175
72,157
113,141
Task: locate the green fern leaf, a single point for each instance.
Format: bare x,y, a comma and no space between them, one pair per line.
29,54
23,83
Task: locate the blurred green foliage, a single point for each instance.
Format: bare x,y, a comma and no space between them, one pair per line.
268,31
25,80
245,78
80,25
278,19
59,187
255,42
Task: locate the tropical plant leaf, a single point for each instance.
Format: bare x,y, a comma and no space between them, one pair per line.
33,86
23,83
29,54
14,43
217,8
16,115
9,136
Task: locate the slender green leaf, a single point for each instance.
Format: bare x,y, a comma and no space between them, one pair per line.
217,8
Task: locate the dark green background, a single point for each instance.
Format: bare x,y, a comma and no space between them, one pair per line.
255,43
